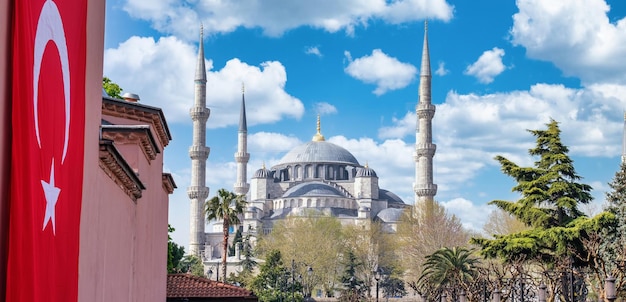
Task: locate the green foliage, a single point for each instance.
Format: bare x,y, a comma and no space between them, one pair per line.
174,252
448,267
112,89
354,289
192,265
225,206
248,263
272,282
550,194
237,240
612,249
315,241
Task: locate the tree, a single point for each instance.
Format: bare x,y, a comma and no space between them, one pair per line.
314,241
612,248
374,249
423,231
271,284
192,265
225,206
112,89
448,267
550,195
237,240
503,223
174,252
354,289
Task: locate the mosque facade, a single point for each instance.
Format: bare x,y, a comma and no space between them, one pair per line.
315,178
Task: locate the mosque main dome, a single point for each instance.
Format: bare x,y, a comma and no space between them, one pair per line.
319,152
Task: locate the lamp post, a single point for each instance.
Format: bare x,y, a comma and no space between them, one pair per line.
377,278
609,288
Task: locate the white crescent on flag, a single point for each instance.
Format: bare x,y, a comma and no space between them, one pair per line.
50,28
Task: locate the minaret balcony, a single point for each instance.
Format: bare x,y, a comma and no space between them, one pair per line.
197,192
199,113
241,188
425,189
242,157
422,150
425,111
199,152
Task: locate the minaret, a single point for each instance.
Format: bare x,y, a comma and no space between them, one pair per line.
199,152
242,156
424,187
624,141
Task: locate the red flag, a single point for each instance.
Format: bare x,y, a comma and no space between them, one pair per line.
48,115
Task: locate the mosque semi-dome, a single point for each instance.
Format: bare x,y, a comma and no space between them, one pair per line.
311,189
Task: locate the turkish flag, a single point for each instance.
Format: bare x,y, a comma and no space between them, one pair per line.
48,115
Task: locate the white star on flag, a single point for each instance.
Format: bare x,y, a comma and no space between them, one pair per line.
52,195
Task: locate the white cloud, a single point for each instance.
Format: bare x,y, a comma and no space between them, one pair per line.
471,129
269,142
162,72
313,50
276,17
575,35
441,70
472,216
324,108
488,66
378,68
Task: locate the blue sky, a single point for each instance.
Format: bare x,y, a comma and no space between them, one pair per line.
499,68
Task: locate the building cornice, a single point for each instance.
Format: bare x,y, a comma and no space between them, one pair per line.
133,134
139,112
168,183
114,165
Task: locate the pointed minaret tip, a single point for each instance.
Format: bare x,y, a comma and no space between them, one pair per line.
318,137
425,68
200,67
243,121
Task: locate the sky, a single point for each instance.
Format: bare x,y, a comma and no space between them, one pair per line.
499,68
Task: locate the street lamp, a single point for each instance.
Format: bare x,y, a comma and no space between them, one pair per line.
377,278
609,288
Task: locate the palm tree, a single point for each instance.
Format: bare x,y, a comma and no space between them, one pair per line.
455,267
226,206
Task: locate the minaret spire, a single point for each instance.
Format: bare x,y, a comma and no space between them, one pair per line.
425,189
242,156
198,152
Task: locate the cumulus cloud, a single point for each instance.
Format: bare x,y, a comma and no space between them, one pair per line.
324,108
575,35
471,129
270,142
313,50
441,69
488,66
274,18
162,72
378,68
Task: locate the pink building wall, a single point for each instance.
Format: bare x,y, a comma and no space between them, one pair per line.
123,243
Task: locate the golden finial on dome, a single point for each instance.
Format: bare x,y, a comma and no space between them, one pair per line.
243,88
263,167
318,137
366,164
